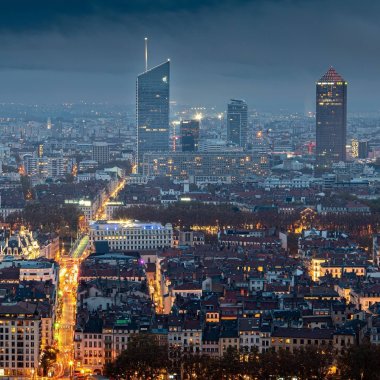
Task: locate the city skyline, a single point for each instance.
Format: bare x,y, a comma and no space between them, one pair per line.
202,209
94,51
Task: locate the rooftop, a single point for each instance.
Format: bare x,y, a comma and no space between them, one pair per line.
129,223
331,76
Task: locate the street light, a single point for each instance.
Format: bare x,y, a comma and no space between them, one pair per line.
71,363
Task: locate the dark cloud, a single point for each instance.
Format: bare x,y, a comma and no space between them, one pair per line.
24,15
269,52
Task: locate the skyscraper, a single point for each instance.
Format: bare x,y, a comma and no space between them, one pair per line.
331,118
152,110
237,122
359,148
189,135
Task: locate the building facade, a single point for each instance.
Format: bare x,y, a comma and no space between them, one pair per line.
359,149
20,338
100,152
131,235
331,119
183,165
189,135
237,122
152,110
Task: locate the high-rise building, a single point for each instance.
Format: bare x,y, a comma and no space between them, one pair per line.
331,118
189,135
355,148
363,149
100,152
237,122
152,110
40,150
359,148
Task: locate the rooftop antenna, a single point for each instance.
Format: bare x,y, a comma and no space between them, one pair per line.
146,54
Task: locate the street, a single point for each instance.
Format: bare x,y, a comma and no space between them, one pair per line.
68,286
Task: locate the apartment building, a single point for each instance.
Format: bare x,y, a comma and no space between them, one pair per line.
20,339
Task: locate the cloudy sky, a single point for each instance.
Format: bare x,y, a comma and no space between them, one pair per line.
269,52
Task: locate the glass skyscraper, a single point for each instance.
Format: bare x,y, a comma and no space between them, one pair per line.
331,119
152,111
237,122
189,135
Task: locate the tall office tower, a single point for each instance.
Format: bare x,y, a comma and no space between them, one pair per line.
152,111
331,118
100,152
189,135
237,122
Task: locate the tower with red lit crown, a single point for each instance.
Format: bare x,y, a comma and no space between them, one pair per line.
331,119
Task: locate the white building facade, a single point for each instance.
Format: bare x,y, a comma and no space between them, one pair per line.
131,235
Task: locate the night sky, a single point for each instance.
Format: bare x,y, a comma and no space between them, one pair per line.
269,53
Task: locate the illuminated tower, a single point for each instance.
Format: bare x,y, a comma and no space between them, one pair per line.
237,122
152,110
331,119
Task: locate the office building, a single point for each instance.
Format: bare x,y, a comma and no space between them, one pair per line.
100,152
187,165
237,122
152,110
359,149
131,235
217,145
189,135
331,118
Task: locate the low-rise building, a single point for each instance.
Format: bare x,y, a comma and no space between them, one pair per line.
131,235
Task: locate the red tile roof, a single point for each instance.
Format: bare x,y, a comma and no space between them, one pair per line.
331,76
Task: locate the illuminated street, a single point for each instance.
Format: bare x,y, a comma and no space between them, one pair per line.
68,285
66,321
101,214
